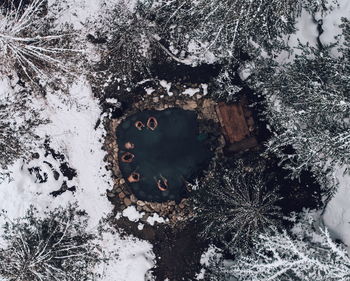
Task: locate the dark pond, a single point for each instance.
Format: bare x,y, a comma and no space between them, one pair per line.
159,151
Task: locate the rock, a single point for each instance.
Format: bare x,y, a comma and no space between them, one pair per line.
146,209
222,141
133,198
145,217
121,181
190,105
156,99
207,103
155,206
182,205
140,203
127,192
121,195
174,90
248,113
127,201
110,194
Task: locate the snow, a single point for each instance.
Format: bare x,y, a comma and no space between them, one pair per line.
306,33
205,89
332,21
166,85
191,91
199,53
337,213
211,255
155,218
132,214
75,12
132,260
149,91
307,29
71,131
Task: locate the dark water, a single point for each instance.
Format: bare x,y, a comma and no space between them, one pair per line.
174,152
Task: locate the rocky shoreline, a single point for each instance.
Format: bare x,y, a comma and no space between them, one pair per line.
120,195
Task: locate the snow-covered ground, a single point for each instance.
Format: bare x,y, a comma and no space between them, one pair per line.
337,213
332,21
71,131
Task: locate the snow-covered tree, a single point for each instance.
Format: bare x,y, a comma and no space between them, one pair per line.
26,42
224,27
18,121
51,248
225,86
234,206
281,257
308,105
127,44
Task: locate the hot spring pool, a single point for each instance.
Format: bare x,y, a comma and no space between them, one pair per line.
159,151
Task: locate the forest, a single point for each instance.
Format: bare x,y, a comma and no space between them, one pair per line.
174,140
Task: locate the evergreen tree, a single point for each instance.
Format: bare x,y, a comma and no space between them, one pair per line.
281,257
28,42
227,28
235,206
129,44
308,107
304,253
50,248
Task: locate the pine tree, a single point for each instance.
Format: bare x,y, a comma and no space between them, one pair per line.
27,43
129,44
282,257
50,248
226,28
234,206
308,105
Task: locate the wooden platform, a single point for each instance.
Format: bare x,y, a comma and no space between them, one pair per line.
237,126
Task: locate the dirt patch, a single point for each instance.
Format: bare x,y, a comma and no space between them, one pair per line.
178,250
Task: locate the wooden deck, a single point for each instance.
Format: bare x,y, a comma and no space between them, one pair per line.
237,126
